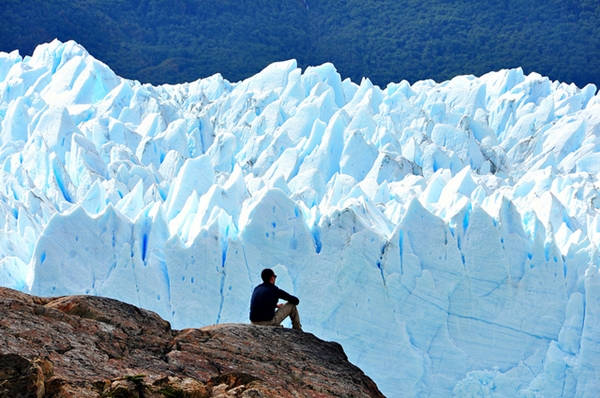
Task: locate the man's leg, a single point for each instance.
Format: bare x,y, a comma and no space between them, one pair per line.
288,309
264,323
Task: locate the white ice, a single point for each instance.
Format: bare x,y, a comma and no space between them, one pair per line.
446,234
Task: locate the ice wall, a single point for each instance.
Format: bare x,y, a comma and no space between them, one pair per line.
445,234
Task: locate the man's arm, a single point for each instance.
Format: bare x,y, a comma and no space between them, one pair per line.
287,297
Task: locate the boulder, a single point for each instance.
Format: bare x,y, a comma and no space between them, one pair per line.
86,346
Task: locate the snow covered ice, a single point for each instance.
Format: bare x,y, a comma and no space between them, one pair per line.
446,234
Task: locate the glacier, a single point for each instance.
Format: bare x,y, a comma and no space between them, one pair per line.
446,234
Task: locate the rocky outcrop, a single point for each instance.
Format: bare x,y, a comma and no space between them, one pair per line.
85,346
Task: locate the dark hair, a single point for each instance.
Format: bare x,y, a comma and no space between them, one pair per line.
266,274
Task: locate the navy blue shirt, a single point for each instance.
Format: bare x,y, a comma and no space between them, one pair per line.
264,301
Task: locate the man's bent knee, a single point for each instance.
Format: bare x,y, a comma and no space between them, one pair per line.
288,309
283,312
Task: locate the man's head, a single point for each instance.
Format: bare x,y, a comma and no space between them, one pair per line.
268,276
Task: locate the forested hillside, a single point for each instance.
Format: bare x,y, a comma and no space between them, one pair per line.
173,41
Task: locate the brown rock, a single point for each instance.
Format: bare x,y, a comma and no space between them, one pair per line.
20,377
85,346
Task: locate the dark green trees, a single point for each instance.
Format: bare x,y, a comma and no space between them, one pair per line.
174,41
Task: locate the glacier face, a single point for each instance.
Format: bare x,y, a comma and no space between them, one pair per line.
445,234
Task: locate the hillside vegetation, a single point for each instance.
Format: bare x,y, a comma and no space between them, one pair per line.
172,41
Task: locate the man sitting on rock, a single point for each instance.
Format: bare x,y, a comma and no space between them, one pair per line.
264,307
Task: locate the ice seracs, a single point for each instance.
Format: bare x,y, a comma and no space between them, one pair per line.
446,234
